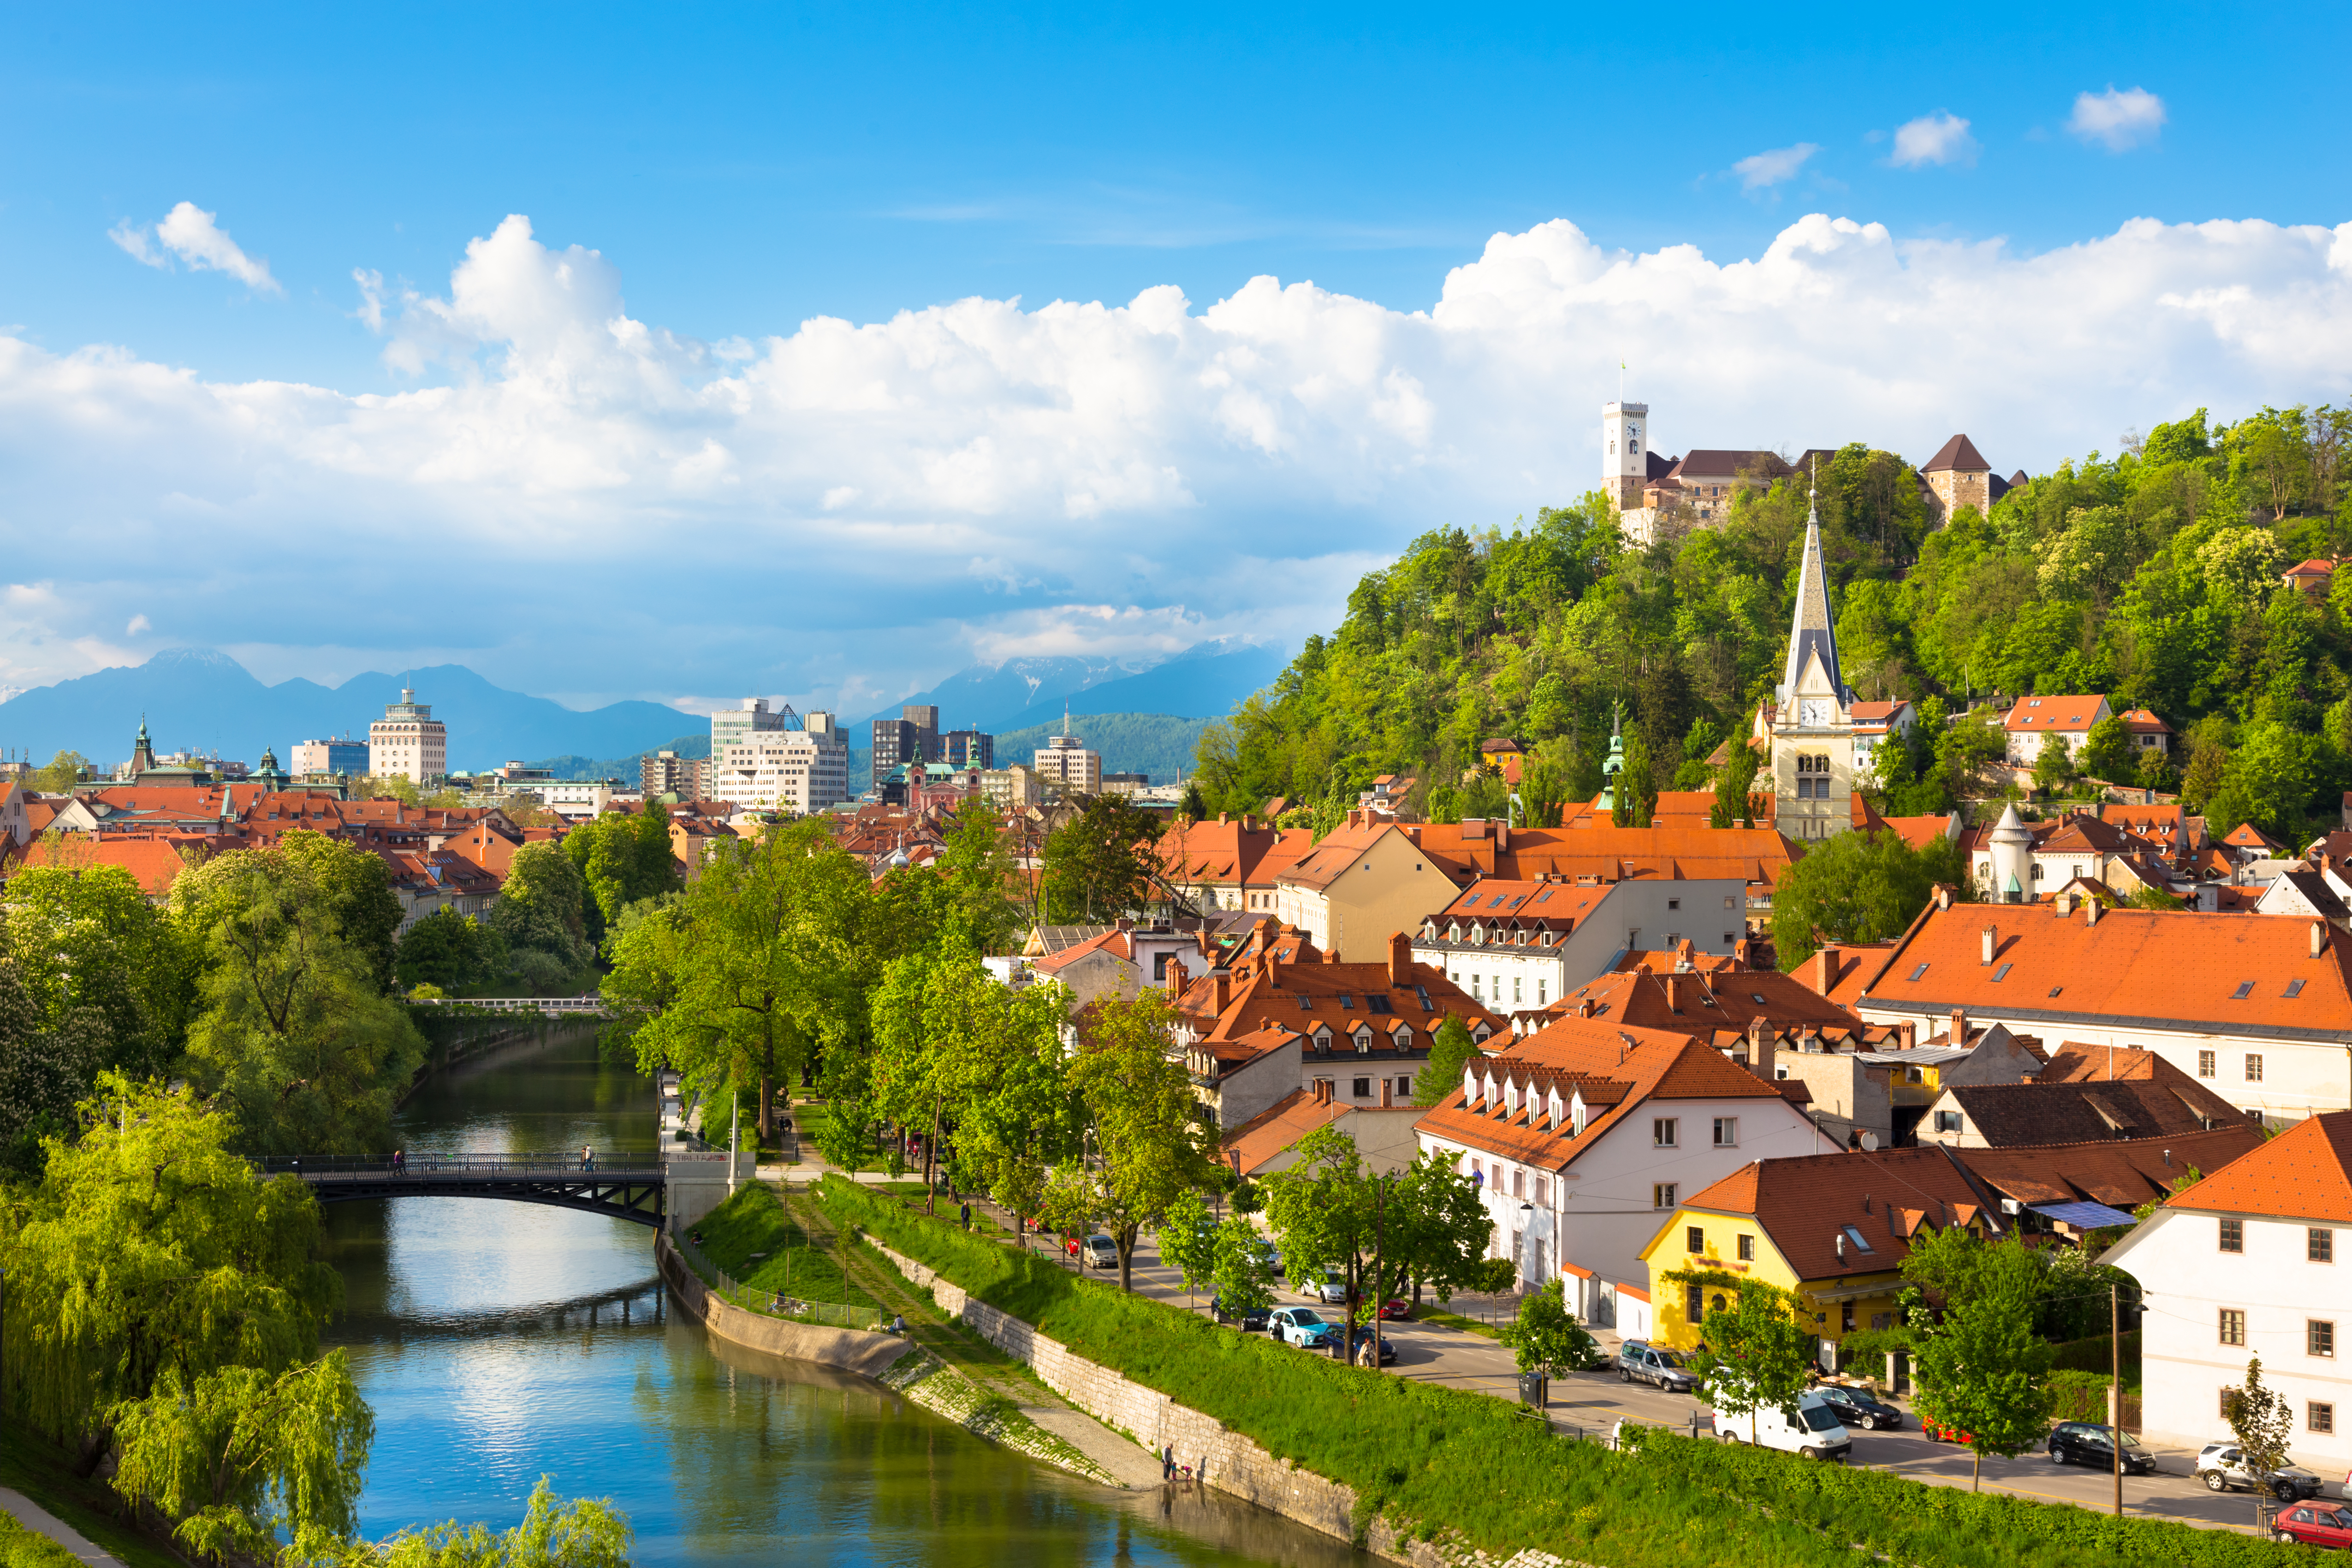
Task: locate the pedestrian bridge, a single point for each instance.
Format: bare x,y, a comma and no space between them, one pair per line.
589,1006
634,1187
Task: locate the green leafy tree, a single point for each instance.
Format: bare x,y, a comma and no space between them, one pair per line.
1754,1353
623,858
2053,767
62,776
2107,752
733,983
148,1246
541,916
1636,793
1734,786
587,1532
1141,1147
293,1030
2262,1421
1546,1338
355,887
48,1061
1450,1053
1857,887
235,1456
1240,1269
1325,1214
1432,1230
1188,1238
84,939
1981,1368
1101,863
450,951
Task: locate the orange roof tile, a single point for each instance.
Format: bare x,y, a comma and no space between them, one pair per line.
2304,1173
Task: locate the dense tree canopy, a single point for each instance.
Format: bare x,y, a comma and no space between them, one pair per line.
2152,576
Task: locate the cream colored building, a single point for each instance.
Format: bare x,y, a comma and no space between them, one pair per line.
1065,764
798,771
408,742
1360,886
1016,788
1812,732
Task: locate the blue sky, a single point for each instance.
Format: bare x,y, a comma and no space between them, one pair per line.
739,173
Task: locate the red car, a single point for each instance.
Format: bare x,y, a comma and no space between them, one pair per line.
1943,1433
1396,1311
2313,1523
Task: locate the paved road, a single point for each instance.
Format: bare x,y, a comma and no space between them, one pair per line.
1592,1400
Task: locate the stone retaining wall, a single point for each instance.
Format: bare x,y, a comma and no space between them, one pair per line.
869,1355
1220,1455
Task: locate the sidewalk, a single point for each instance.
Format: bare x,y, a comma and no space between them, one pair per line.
41,1522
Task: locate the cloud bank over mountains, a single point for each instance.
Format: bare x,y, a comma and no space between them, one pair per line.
576,501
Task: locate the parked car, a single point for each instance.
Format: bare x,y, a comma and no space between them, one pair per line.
1396,1311
1642,1362
2085,1443
1364,1349
2315,1524
1811,1430
1301,1326
1859,1407
1102,1252
1936,1434
2223,1468
1252,1322
1331,1290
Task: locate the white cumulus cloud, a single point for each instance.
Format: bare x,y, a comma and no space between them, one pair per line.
1763,170
844,509
2117,121
195,236
1939,138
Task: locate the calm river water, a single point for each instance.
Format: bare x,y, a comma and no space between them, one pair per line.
502,1342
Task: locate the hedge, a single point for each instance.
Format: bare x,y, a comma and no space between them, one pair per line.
1437,1460
23,1548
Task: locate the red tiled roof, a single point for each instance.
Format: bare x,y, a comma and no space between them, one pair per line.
2304,1173
2064,713
1960,454
1280,1125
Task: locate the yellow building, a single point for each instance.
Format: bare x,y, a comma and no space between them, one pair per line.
1832,1229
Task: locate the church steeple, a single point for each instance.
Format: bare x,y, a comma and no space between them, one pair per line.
142,753
1813,633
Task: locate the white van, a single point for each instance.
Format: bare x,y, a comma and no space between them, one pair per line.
1812,1429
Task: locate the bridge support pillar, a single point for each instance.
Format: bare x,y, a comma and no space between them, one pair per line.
700,1184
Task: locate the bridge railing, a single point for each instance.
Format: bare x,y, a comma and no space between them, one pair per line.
771,1303
485,1165
583,1004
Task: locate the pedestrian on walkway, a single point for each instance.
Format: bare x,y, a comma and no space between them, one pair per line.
966,1212
587,1157
1167,1462
898,1323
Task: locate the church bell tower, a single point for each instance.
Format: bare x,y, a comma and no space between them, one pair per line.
1812,731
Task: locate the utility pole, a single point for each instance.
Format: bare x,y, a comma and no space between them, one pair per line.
1380,1260
2116,1387
734,1138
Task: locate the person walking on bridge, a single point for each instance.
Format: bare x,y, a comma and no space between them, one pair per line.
587,1157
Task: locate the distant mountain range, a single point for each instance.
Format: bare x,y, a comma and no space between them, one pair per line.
1205,679
194,699
1145,717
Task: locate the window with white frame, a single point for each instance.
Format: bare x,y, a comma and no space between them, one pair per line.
1727,1131
1661,1132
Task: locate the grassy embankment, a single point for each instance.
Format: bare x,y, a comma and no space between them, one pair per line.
42,1472
753,1238
1440,1462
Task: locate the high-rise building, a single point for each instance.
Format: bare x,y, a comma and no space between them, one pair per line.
750,717
965,749
330,756
409,742
667,773
1064,762
912,737
797,769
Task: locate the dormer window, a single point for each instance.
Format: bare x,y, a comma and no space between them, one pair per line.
1363,1039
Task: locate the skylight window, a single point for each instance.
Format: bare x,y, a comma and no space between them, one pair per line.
1755,996
1305,1003
2246,989
2294,989
1496,902
1377,1004
1347,1003
2002,973
1543,896
1916,974
1422,992
2055,989
1856,1237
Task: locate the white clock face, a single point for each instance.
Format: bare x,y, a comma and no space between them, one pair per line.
1813,710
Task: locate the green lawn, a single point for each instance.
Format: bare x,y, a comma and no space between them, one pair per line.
751,1237
1436,1460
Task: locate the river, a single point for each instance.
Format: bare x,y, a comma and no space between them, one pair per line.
500,1341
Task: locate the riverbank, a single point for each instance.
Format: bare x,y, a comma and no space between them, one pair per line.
1437,1477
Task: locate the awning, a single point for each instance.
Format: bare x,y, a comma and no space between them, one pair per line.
2084,1215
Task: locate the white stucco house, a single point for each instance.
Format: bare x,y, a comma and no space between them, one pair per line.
2251,1261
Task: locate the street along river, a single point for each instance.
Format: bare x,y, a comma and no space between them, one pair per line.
500,1341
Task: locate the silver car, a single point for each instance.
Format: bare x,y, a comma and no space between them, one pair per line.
2223,1468
1331,1290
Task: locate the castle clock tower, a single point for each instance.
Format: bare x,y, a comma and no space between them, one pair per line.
1624,443
1813,733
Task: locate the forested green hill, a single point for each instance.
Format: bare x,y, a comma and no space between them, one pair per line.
2152,576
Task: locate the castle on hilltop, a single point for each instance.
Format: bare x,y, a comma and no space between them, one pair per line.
1697,487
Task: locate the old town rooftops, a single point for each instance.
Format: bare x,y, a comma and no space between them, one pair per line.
1393,1007
1836,1214
2304,1173
2282,976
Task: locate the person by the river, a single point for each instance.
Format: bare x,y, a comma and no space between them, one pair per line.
898,1323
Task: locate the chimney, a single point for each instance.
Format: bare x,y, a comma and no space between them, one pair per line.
1399,961
1959,1026
1502,835
1225,990
1763,1047
2318,939
2063,905
1125,922
1175,978
1991,943
1943,896
1672,983
1825,969
1221,816
2092,909
1249,823
1908,1030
